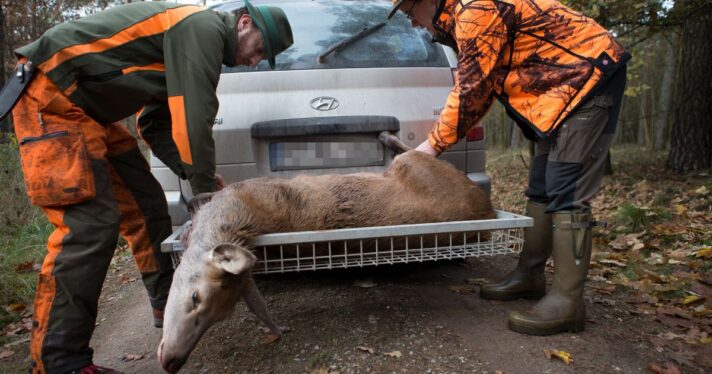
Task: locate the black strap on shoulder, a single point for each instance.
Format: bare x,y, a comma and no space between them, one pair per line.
14,87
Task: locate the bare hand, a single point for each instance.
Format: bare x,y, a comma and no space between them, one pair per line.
425,147
219,182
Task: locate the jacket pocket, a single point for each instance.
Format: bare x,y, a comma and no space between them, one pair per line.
57,169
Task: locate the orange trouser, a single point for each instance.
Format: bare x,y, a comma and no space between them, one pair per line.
92,183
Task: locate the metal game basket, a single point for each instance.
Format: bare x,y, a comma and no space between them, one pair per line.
382,245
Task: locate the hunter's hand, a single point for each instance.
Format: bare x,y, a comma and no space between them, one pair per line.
425,147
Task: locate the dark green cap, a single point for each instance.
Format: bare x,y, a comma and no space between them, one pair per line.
275,29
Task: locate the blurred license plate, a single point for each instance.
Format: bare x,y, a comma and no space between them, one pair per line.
322,155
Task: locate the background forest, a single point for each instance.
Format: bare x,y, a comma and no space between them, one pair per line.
669,91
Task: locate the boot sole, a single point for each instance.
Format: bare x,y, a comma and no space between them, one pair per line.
573,327
529,295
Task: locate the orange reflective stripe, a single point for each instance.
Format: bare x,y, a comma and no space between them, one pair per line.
151,26
70,90
46,288
133,224
151,67
138,124
180,128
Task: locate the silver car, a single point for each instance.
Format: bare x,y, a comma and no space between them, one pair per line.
321,110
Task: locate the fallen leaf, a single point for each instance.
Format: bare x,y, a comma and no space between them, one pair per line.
680,209
5,354
131,357
613,262
365,349
396,354
702,190
669,368
705,252
703,355
604,289
478,281
270,338
17,307
668,229
655,259
125,279
463,290
24,267
561,355
367,283
691,299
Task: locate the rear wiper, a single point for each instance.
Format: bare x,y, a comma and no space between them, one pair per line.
346,42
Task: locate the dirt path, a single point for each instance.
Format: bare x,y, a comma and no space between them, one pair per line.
410,310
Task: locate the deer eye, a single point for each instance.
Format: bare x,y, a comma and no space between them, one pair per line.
195,298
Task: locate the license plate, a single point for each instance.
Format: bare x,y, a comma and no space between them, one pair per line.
325,155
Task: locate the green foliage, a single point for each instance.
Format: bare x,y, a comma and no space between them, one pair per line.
15,208
19,252
632,216
23,232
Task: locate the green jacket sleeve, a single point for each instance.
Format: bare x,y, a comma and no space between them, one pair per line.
193,53
154,126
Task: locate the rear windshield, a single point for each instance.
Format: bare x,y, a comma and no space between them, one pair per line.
317,24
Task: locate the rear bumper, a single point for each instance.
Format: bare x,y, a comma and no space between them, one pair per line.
482,180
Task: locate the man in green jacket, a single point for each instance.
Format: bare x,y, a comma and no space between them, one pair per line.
85,170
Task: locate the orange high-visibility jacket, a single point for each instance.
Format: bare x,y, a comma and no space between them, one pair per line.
539,58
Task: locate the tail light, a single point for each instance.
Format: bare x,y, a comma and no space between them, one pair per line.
476,133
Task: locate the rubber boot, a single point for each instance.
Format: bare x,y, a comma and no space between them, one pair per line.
562,309
527,280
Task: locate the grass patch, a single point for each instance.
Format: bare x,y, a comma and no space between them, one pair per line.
629,272
632,216
23,233
317,359
20,250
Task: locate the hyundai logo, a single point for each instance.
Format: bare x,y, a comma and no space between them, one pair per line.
324,103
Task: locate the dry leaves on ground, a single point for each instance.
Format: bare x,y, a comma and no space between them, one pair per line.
365,349
666,368
463,290
131,357
270,338
5,354
394,354
561,355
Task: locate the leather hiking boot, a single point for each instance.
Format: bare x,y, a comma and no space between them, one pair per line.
562,309
527,280
93,369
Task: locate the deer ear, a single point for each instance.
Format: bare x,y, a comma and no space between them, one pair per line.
232,258
199,200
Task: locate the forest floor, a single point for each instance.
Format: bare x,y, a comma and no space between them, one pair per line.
649,300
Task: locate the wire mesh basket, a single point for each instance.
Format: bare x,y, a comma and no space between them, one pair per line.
383,245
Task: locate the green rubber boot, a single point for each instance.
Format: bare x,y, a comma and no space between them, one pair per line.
527,280
563,308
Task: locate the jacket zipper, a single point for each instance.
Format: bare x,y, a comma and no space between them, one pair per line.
52,135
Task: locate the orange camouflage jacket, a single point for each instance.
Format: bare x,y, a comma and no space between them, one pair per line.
539,58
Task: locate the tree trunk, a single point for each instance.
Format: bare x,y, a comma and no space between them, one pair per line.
3,46
691,138
515,135
665,96
4,123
